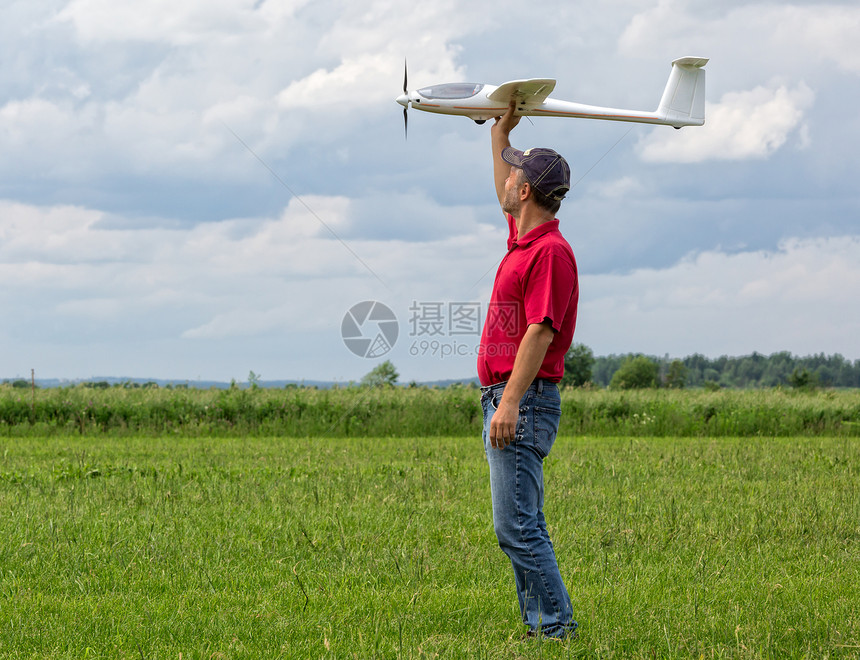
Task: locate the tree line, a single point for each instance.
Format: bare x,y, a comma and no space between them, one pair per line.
636,371
749,371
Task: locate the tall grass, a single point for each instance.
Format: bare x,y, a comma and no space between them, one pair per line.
366,412
693,413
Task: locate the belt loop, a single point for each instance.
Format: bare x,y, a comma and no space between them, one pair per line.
540,386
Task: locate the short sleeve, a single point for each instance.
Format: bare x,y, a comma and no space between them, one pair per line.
549,287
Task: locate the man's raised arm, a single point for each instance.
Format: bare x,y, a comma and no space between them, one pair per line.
499,134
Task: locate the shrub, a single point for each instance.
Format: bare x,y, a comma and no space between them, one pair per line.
636,373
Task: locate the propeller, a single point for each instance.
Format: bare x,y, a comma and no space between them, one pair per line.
405,113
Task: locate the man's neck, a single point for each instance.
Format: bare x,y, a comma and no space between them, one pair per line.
531,217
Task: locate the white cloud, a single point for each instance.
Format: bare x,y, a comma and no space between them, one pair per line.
363,80
236,277
750,38
743,125
827,32
245,323
150,84
178,23
799,297
625,187
281,277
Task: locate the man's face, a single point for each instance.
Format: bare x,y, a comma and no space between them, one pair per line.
513,185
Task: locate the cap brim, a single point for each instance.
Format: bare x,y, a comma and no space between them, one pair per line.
512,156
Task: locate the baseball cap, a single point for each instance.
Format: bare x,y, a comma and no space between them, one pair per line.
545,169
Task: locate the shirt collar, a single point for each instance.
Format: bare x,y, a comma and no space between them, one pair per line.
541,230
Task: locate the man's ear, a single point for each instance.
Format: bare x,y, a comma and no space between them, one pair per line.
525,191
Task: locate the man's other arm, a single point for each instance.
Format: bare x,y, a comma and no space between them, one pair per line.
530,355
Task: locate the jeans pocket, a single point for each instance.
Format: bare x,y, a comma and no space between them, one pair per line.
546,428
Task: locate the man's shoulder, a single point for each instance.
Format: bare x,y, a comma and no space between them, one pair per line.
555,243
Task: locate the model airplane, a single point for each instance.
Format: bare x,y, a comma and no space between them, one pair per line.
682,103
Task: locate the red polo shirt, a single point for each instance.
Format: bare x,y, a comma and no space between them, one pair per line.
536,281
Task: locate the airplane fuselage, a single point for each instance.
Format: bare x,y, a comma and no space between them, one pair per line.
482,109
682,103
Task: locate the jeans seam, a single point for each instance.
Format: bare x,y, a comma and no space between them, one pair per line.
534,559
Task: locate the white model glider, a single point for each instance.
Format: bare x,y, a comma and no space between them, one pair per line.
682,103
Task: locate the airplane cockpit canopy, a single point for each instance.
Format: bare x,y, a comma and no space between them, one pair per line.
451,91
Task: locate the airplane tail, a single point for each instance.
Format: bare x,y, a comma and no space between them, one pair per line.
683,101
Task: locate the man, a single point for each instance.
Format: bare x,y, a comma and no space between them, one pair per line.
529,328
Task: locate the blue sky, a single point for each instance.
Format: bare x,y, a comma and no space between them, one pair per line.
139,237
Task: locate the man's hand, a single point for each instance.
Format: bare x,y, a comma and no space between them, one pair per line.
503,426
508,121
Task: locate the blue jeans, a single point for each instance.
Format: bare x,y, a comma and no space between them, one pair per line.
516,482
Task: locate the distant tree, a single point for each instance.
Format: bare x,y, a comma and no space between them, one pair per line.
676,376
824,376
253,380
604,367
777,369
755,370
711,375
803,379
578,362
750,369
383,374
696,365
636,373
97,385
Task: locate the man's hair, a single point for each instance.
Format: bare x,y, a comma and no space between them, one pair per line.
545,202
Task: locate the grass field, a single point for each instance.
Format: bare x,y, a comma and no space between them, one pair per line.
399,412
259,547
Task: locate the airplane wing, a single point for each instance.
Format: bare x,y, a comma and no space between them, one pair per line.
533,91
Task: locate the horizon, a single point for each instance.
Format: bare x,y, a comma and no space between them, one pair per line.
254,378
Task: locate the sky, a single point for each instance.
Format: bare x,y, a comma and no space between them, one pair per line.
202,189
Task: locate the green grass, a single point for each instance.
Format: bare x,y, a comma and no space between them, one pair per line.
363,412
284,547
